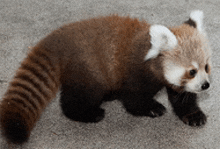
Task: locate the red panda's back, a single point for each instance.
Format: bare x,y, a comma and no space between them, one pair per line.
95,50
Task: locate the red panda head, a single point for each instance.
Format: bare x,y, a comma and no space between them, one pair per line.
185,54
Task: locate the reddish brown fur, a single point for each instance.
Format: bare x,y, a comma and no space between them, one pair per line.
34,85
100,53
192,45
99,46
108,61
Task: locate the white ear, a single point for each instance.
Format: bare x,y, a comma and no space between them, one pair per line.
197,17
161,38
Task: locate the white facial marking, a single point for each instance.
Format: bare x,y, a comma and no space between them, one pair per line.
195,64
197,16
195,85
173,74
161,38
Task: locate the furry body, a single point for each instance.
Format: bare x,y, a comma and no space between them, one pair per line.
93,60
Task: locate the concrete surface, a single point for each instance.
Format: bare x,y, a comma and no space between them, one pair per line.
23,23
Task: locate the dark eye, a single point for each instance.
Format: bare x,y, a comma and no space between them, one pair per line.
192,72
207,68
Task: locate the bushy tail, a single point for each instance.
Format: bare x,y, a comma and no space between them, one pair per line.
34,85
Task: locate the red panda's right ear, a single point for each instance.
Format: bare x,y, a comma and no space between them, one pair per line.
196,20
161,39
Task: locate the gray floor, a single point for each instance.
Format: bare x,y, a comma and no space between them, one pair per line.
24,22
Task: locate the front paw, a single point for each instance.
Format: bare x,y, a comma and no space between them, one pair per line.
196,118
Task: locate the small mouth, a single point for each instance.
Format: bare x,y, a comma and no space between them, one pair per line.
193,91
198,91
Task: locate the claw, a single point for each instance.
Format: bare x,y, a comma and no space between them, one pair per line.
152,113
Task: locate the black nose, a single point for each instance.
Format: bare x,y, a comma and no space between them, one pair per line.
205,86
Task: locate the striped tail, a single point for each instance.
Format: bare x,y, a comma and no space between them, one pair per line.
35,84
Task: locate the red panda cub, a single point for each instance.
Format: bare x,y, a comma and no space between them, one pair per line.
93,60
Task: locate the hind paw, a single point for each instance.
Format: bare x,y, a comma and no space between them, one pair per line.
92,115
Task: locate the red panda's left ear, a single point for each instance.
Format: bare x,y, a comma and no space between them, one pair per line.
161,39
196,20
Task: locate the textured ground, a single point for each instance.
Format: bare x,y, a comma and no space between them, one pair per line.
24,22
